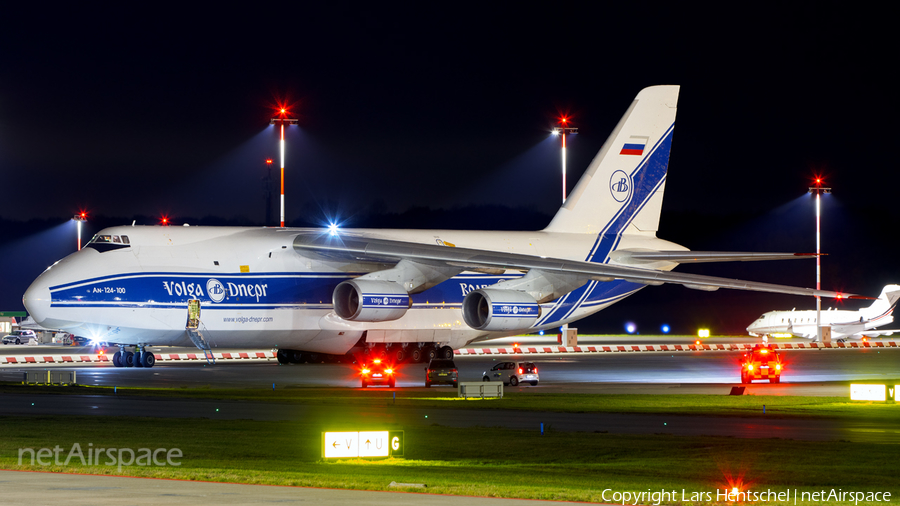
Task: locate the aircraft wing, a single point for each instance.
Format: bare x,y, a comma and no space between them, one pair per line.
350,247
693,257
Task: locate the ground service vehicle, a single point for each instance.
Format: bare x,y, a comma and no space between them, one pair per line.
761,363
18,337
512,373
378,372
441,371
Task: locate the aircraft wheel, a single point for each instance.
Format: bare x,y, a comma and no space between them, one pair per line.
136,361
282,357
296,357
514,381
446,352
128,359
431,353
117,359
417,355
148,359
313,358
400,355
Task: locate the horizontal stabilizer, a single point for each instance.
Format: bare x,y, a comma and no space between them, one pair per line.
696,257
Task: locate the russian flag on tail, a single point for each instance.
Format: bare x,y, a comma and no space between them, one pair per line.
634,146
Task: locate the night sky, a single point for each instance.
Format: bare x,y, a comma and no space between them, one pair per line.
436,115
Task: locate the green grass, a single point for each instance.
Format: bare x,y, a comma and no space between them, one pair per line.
479,461
713,405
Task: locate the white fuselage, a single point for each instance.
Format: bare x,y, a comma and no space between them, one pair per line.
257,290
843,323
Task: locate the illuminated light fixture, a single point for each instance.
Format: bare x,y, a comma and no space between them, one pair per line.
777,367
818,190
80,217
865,392
333,228
280,121
703,333
750,366
763,352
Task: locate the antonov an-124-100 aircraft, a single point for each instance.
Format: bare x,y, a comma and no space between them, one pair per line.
413,293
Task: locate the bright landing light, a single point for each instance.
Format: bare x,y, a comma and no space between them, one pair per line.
333,228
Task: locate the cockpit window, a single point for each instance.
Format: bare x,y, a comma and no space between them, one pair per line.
105,242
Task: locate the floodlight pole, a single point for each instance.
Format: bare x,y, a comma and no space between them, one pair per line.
281,121
78,219
818,190
562,131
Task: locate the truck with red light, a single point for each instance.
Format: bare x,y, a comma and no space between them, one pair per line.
377,372
761,363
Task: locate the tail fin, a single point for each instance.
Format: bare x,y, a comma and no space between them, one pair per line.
885,302
622,189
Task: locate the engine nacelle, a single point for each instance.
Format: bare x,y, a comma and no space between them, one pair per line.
493,309
364,300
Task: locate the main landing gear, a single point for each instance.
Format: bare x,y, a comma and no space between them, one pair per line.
140,357
395,353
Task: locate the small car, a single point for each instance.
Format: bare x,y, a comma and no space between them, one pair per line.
18,337
761,363
441,371
377,371
512,373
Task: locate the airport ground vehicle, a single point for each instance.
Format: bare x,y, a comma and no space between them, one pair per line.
18,337
761,363
441,371
377,372
512,373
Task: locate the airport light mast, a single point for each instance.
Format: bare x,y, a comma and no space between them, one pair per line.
280,121
80,217
562,130
818,190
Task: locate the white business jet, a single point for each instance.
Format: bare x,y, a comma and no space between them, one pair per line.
845,324
408,293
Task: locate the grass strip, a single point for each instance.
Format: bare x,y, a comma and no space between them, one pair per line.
490,462
668,404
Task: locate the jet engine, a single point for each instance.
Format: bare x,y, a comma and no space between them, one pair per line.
493,309
364,300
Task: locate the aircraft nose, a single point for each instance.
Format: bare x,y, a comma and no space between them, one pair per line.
37,300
